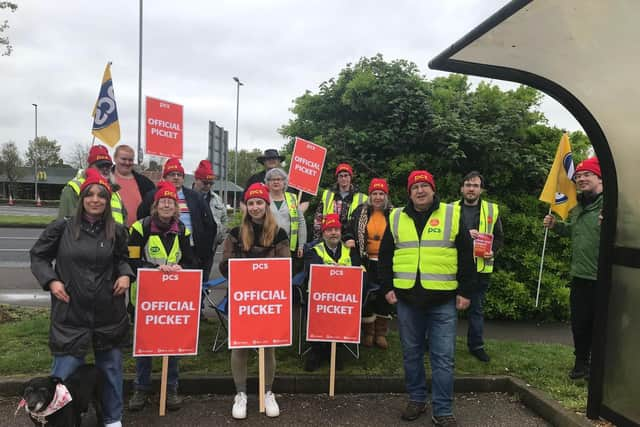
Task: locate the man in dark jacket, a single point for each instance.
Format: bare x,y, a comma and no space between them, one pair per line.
426,268
194,213
583,225
133,186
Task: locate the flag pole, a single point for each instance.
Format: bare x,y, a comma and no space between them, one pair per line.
544,247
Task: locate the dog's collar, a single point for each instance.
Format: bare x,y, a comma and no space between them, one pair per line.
60,399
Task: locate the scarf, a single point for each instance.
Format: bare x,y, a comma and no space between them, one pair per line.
60,399
164,228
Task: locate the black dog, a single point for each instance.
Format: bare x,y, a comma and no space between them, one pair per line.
84,386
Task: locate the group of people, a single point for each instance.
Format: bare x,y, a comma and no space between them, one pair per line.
421,256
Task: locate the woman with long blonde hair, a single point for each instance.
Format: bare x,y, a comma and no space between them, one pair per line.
258,236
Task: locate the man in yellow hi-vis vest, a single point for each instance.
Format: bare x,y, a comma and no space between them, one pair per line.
426,268
479,217
342,199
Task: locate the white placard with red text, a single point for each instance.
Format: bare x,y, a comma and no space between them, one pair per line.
307,162
335,303
259,302
167,317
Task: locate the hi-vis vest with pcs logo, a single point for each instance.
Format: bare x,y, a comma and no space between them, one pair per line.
153,251
433,253
488,216
116,203
345,255
293,220
328,198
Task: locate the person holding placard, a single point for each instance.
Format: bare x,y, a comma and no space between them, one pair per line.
342,199
159,241
88,286
258,236
367,226
426,268
329,251
482,219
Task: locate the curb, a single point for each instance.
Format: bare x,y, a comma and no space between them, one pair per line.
536,400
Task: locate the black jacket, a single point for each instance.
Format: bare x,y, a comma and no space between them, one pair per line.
203,226
144,184
88,267
417,295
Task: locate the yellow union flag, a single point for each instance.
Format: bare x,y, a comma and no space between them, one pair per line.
106,126
560,190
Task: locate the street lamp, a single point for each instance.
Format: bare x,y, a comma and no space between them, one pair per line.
35,158
235,173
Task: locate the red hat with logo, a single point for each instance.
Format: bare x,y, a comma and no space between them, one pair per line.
257,191
93,177
172,165
420,176
331,221
344,167
166,190
100,155
592,164
204,171
378,184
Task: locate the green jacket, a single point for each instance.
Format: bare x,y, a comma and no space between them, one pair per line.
583,225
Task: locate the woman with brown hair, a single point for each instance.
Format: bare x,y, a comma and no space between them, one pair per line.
258,236
88,286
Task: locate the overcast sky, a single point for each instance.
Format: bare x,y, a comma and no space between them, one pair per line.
191,51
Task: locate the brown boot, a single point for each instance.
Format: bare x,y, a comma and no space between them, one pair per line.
381,329
368,329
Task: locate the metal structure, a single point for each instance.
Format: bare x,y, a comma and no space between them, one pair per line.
584,54
218,155
235,171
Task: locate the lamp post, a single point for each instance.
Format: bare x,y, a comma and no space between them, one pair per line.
35,157
235,172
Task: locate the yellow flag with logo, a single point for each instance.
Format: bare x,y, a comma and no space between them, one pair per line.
560,190
106,126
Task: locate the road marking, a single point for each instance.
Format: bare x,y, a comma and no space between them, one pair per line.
19,238
15,250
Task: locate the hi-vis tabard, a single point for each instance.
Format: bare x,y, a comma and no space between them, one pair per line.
329,196
292,204
434,253
345,255
488,216
153,250
116,202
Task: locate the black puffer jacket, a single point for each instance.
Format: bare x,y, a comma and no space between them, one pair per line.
88,267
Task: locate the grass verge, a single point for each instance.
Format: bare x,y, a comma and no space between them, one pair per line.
25,220
24,334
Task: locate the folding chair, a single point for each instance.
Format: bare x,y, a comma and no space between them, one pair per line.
297,283
221,309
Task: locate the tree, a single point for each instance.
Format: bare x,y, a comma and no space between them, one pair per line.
10,163
4,40
43,152
247,165
79,155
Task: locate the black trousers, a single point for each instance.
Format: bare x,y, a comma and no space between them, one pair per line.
583,306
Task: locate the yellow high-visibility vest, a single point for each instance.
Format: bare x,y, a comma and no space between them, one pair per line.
488,217
293,220
329,196
345,255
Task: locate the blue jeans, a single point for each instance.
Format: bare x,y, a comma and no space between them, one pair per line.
440,324
476,314
143,374
110,362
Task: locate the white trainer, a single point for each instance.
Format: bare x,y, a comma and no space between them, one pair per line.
239,411
270,405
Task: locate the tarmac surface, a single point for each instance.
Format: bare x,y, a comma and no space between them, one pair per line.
471,409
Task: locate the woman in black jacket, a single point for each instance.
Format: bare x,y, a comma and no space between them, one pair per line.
88,286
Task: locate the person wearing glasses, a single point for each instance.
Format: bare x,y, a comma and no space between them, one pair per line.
480,217
583,225
194,214
100,160
132,184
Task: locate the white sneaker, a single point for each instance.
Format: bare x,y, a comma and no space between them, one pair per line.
270,405
239,411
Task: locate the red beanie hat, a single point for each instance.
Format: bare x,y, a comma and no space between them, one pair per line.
420,176
592,164
172,165
344,167
165,190
378,184
93,177
257,191
98,154
204,171
331,221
